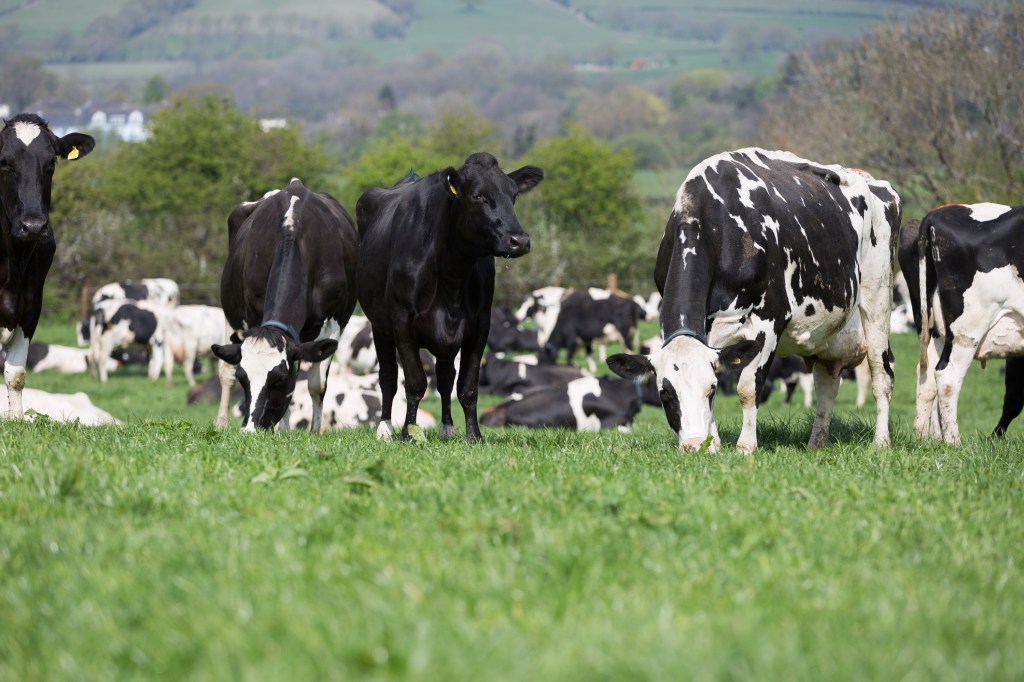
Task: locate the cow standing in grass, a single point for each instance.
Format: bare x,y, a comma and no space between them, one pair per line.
28,157
288,289
767,253
426,266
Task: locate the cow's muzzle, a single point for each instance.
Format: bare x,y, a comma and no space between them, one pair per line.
31,229
517,245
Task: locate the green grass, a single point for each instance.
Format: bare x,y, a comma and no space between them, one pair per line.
165,550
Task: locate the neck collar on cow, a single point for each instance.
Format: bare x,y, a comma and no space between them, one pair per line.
680,332
286,328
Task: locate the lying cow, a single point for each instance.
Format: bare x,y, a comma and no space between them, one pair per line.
350,401
44,357
502,376
287,289
964,269
64,407
28,156
742,271
192,331
426,277
115,324
583,404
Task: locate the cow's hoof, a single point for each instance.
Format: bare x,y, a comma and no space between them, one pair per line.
384,431
447,431
474,437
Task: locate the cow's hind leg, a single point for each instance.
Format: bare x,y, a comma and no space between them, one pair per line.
415,384
317,384
926,409
445,383
826,388
1013,399
948,382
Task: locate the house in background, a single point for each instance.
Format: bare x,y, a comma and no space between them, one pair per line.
126,122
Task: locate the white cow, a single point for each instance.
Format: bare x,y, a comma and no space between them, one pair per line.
191,331
63,407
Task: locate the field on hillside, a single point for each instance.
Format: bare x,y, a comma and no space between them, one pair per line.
163,549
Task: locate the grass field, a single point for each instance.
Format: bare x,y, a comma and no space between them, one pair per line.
165,550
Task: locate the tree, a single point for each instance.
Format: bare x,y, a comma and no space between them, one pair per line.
926,103
459,130
156,90
23,81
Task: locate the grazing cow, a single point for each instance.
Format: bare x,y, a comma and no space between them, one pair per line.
583,404
288,289
964,274
507,335
592,315
355,348
158,290
192,330
501,376
543,305
767,253
426,280
28,156
115,324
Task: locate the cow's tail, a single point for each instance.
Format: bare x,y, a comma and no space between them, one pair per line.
924,297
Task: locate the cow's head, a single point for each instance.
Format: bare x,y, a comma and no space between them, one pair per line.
28,156
685,375
486,217
266,361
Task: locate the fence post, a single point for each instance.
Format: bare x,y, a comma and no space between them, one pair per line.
85,301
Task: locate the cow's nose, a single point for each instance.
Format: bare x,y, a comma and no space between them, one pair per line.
519,244
32,228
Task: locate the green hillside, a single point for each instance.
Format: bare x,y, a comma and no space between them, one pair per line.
741,35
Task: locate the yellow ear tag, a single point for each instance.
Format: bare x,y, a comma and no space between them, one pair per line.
73,154
736,361
451,188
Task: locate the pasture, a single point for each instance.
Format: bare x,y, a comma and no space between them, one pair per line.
163,549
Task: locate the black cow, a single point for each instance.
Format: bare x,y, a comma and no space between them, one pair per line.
970,305
592,315
288,289
426,280
584,404
766,252
506,334
501,376
28,156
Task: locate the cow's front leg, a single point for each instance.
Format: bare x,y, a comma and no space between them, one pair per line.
317,384
415,382
226,373
749,387
926,409
445,383
467,388
826,388
15,373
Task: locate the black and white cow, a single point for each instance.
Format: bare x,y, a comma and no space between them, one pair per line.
159,290
502,376
287,290
355,348
115,324
64,407
767,253
426,277
589,316
583,404
192,331
543,305
352,400
63,359
507,335
964,272
28,157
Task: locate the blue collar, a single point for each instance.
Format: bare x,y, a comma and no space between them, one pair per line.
286,328
681,332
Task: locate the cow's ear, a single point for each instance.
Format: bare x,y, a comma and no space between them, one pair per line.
230,353
316,351
526,178
453,181
75,145
630,366
738,355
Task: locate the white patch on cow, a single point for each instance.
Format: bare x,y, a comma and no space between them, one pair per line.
526,359
599,294
521,371
269,194
688,365
289,216
578,389
770,224
26,132
993,310
747,187
6,335
987,211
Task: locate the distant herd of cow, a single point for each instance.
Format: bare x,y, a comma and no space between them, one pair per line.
771,267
